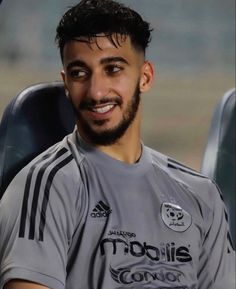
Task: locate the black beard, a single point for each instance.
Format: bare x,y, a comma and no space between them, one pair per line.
110,136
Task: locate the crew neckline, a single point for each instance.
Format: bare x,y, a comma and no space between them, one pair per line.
104,160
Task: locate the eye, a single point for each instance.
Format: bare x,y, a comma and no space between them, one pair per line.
113,69
78,73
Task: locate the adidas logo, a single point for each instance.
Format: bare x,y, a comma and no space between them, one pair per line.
101,210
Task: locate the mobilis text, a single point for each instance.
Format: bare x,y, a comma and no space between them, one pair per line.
166,252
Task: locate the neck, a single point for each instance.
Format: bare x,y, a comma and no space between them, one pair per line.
128,149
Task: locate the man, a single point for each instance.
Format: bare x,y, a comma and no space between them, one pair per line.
100,209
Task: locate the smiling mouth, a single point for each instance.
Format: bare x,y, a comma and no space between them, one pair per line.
102,108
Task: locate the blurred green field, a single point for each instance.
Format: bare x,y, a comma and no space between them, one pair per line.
176,113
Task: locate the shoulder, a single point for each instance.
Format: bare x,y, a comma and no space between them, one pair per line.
197,184
173,166
51,180
54,161
57,167
61,158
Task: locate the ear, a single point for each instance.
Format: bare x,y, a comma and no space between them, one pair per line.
63,76
147,76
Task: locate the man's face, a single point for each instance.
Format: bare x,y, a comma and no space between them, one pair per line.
104,84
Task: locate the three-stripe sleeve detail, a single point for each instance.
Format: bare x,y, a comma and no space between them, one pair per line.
26,196
36,190
47,192
177,166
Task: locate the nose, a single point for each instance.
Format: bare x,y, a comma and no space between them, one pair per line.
98,87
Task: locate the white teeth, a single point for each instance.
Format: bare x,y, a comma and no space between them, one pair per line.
103,109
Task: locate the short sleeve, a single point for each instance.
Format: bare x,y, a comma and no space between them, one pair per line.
217,260
37,219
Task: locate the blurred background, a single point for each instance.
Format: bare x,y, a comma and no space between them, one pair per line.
193,50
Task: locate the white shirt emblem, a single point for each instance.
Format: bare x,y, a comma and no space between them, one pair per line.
175,217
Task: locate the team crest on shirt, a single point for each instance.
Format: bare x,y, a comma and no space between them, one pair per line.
175,217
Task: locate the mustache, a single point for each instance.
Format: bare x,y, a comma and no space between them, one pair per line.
85,104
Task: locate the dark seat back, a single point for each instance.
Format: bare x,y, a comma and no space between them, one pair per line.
219,162
34,120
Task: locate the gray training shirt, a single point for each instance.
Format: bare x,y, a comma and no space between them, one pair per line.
75,218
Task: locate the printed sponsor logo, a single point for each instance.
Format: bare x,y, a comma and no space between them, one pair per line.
101,210
132,276
122,234
175,217
166,252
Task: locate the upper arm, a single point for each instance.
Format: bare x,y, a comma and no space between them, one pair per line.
217,260
21,284
25,253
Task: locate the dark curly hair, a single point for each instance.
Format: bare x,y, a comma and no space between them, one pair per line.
90,18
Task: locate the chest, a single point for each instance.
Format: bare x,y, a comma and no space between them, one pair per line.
138,231
146,216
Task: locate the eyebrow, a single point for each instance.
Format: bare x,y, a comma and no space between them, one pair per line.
114,59
76,63
103,61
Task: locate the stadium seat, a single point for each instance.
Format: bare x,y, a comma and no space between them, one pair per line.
35,119
219,161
